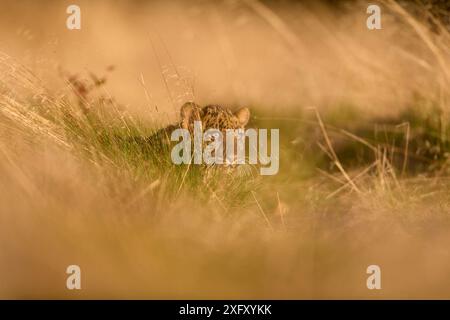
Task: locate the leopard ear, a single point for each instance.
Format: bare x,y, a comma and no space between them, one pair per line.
243,116
189,110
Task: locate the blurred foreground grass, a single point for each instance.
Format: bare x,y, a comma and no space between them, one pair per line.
79,186
88,191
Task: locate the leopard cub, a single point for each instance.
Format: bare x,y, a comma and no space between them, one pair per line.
210,116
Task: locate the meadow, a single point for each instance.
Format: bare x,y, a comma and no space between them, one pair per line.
364,152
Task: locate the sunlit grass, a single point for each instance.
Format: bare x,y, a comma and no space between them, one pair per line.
84,182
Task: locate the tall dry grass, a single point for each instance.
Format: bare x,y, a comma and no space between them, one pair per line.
77,188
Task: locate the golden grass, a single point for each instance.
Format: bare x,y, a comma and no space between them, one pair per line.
75,190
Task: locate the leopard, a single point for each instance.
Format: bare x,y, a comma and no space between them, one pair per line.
212,116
